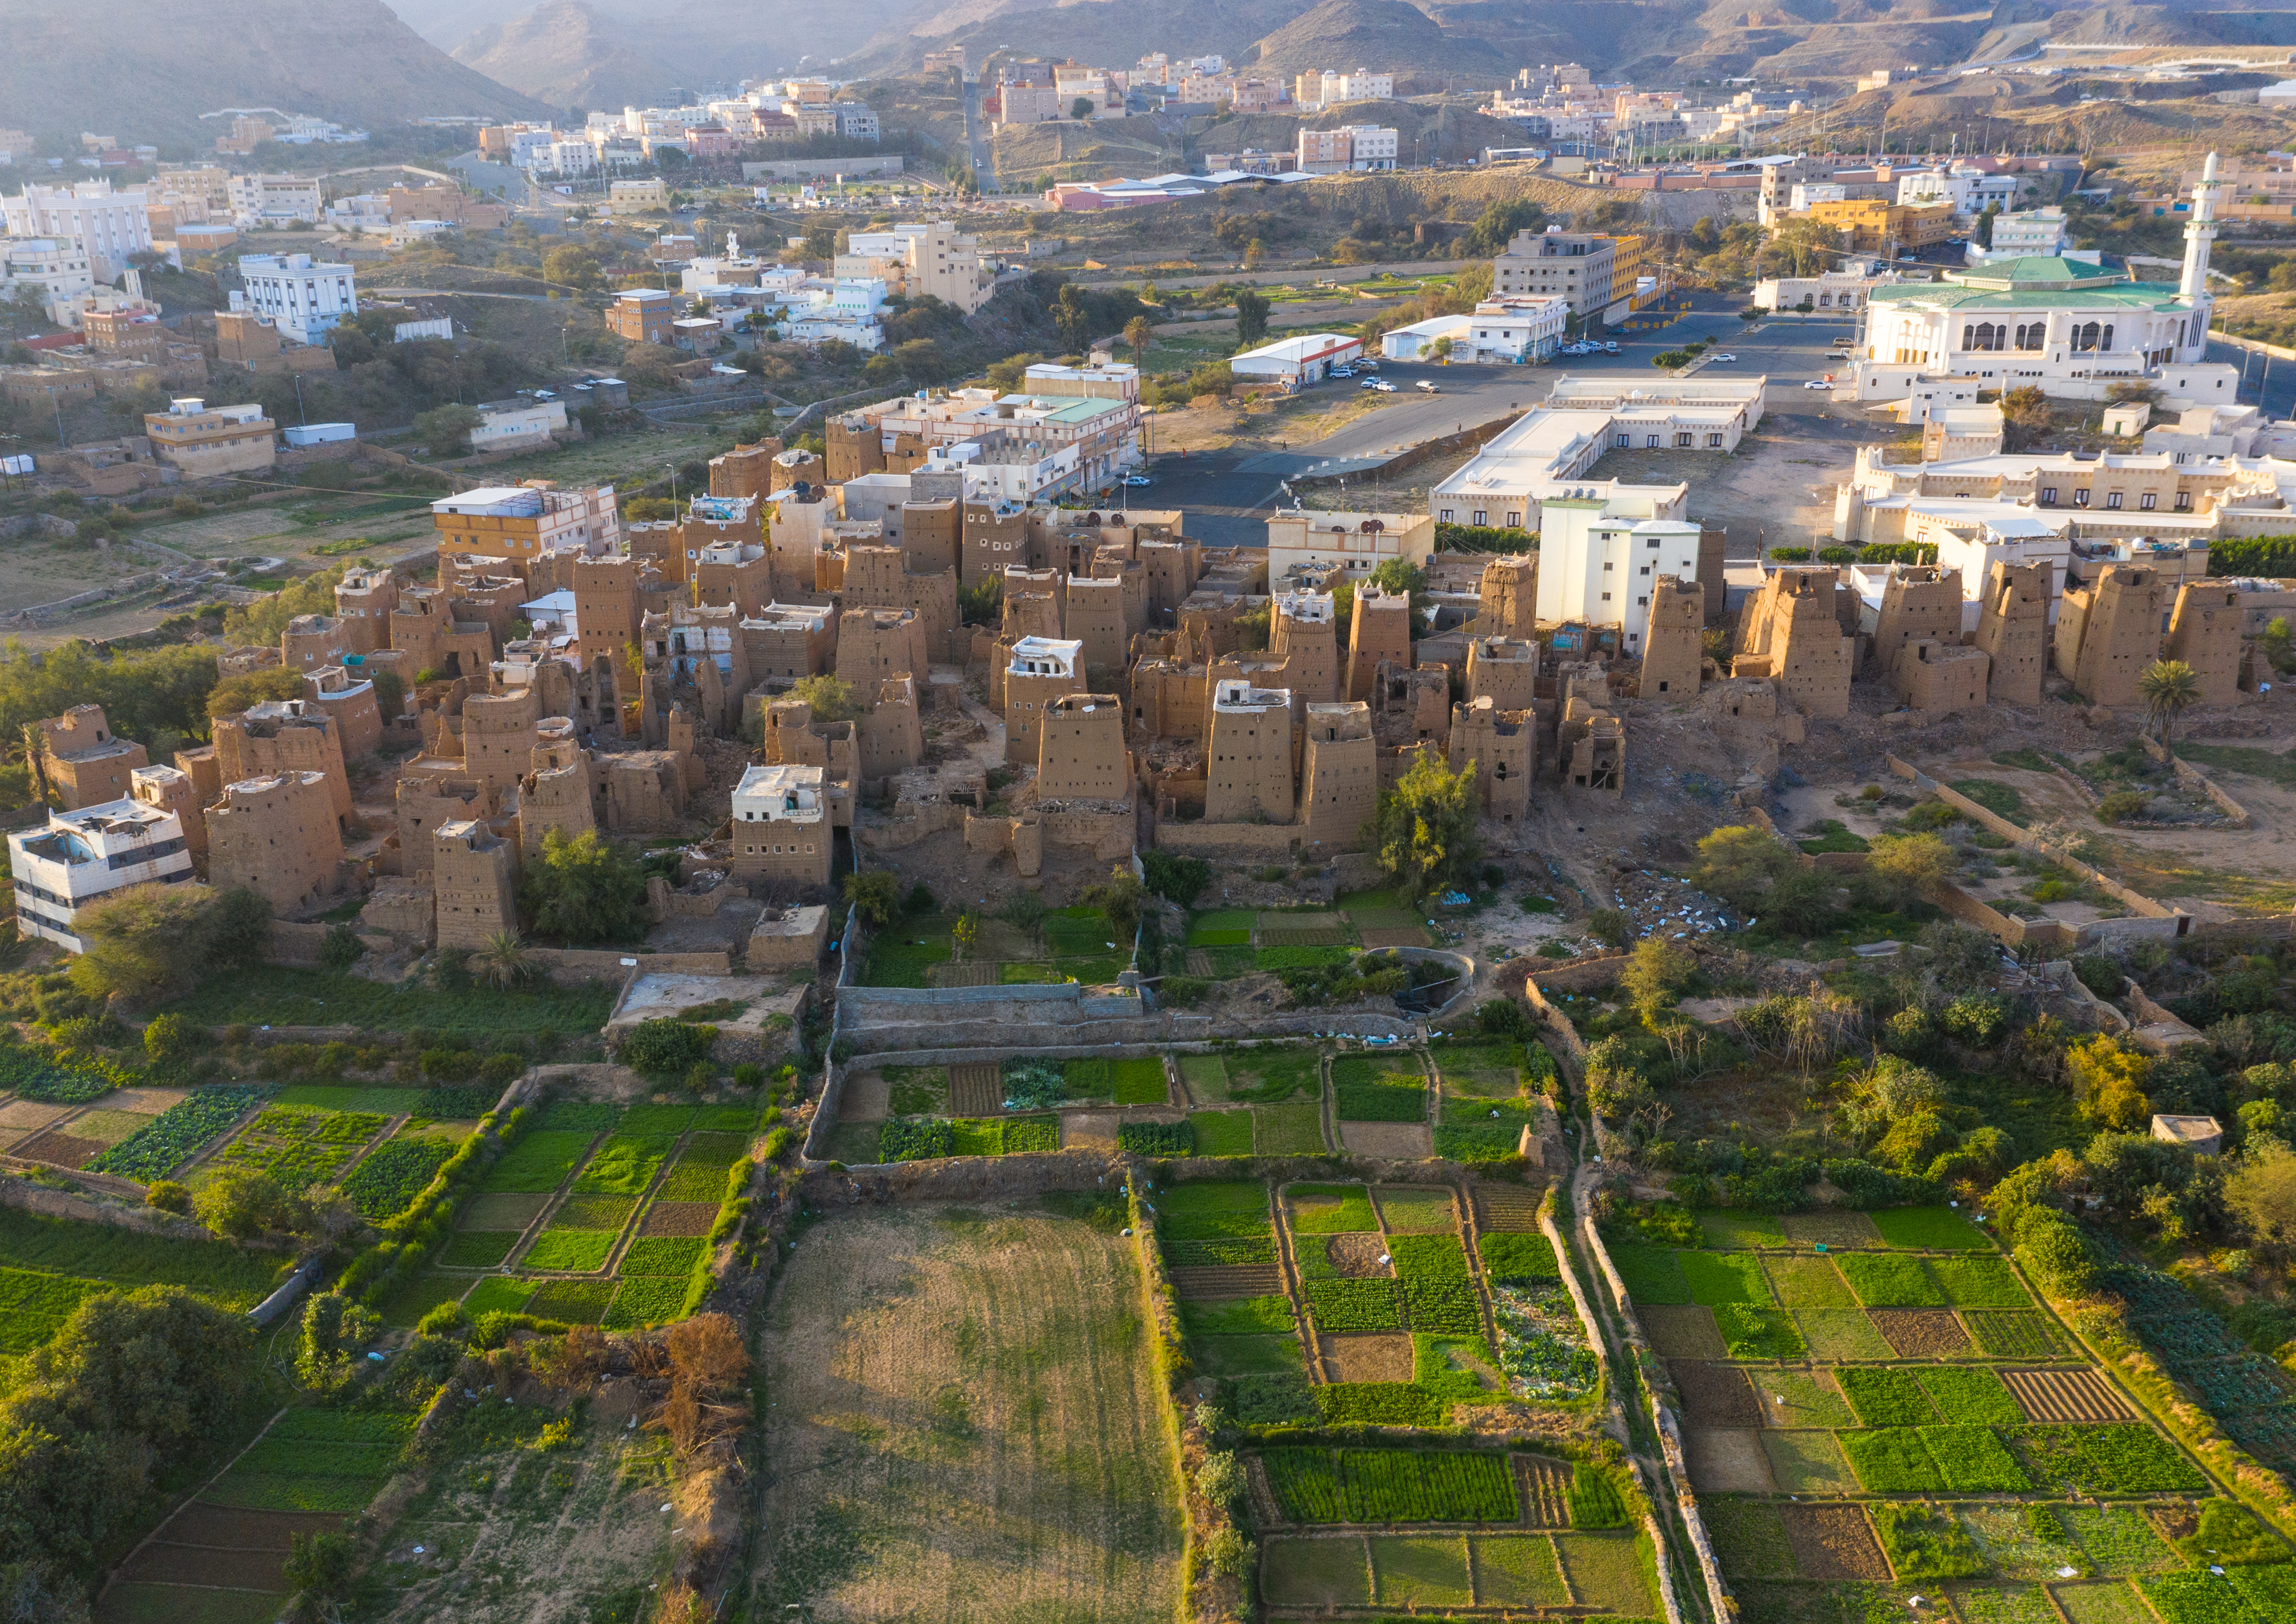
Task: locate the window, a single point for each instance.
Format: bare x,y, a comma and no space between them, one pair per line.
1606,566
1685,441
1606,598
1645,570
2080,496
1482,517
1650,442
2183,501
1626,442
1714,441
2113,498
1515,520
2048,495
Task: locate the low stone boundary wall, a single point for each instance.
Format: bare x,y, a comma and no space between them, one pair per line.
2192,778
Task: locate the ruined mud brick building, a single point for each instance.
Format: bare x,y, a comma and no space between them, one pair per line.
81,762
474,884
280,736
277,836
1792,633
2013,629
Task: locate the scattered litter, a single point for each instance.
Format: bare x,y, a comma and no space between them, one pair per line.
2068,1572
665,1505
418,1550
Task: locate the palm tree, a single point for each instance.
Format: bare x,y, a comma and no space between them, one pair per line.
502,964
2169,688
1136,334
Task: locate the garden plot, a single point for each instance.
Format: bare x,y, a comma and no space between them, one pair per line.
515,1525
1400,1324
1915,1418
1027,1104
966,1408
1488,1095
1380,1103
598,1215
48,1265
297,1145
1454,1530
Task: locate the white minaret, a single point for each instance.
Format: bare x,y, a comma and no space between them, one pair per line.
2198,235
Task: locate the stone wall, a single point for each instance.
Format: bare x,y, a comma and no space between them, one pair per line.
1228,842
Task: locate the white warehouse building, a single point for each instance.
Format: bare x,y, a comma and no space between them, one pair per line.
79,856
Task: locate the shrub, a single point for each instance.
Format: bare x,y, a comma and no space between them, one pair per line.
341,948
167,1037
661,1050
168,1196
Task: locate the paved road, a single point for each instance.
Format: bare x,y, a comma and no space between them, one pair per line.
975,141
1227,494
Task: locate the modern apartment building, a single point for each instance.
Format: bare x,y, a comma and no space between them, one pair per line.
105,226
927,259
202,441
522,522
641,316
305,298
80,856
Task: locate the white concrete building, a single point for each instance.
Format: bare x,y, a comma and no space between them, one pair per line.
514,425
55,268
1597,567
274,199
1356,543
1501,331
2069,327
1301,359
105,226
79,856
2031,233
1970,191
1547,452
785,804
1847,289
305,299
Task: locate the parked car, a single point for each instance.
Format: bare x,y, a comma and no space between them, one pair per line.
1137,478
1723,358
1428,386
1610,349
1818,383
1367,366
1381,384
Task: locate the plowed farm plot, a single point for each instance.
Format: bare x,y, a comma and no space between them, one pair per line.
965,1410
2064,1395
1834,1542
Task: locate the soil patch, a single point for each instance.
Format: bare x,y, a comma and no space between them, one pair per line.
495,1213
1834,1542
29,1116
1684,1333
1546,1487
975,1089
1358,1257
145,1102
1217,1282
160,1563
2064,1395
868,1097
680,1217
61,1150
1093,1129
1397,1141
246,1530
1401,936
1727,1463
1366,1358
1839,1231
1715,1395
1920,1334
968,1410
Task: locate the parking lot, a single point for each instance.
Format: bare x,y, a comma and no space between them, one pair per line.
1227,495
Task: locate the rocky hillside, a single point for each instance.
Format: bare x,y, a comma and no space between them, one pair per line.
566,54
150,68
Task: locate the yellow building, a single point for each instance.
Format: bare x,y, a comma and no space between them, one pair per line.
1626,267
1875,225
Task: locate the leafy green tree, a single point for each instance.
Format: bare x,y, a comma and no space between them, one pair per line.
1072,317
2261,1196
233,694
1119,896
503,964
1739,864
583,889
1424,830
318,1566
1906,868
1658,971
830,697
572,267
1497,226
2169,688
1177,879
149,940
32,1594
876,896
133,1384
167,1037
334,1329
1252,309
2109,1080
141,691
446,430
239,1202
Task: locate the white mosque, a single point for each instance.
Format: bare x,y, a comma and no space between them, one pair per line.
2068,327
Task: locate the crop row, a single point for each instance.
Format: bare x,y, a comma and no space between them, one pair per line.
169,1139
1391,1485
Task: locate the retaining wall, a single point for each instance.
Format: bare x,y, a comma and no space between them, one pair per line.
2192,778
